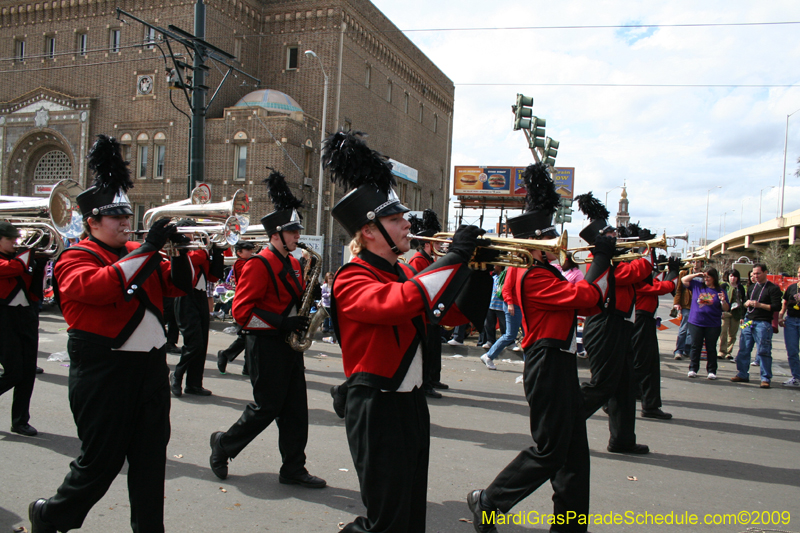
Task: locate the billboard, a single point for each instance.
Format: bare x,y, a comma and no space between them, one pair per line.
505,181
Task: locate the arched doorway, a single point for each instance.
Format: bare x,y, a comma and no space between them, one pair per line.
40,160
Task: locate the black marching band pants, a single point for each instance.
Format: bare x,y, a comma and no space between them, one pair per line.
120,402
646,360
389,438
193,319
171,321
560,452
607,339
432,361
18,351
279,392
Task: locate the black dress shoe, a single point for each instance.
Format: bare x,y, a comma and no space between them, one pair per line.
38,523
39,370
474,504
656,413
440,385
222,362
25,429
175,385
218,459
304,480
245,371
197,391
636,449
430,392
174,350
339,401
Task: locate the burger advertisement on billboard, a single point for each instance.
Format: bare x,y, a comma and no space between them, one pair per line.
505,181
482,181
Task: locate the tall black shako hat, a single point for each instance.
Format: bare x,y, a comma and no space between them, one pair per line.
285,217
108,193
597,213
353,165
541,202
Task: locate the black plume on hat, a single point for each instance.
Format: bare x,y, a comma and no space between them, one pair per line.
352,163
430,221
592,207
279,193
634,230
105,159
541,195
416,225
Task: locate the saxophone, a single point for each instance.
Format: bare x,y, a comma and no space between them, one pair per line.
302,341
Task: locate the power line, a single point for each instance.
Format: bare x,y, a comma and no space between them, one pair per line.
607,26
668,85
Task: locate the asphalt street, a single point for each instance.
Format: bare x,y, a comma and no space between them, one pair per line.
731,449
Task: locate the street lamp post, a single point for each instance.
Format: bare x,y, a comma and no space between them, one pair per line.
310,53
759,201
785,145
708,195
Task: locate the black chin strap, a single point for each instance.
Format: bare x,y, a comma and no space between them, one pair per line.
389,240
280,233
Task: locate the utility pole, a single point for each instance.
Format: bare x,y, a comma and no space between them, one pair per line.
194,88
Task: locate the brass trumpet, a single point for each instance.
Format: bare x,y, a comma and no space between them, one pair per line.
630,256
512,252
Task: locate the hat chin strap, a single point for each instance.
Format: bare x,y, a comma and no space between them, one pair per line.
280,234
389,240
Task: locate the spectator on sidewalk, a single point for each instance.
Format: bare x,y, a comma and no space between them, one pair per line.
789,320
495,313
513,314
708,303
731,319
763,300
683,303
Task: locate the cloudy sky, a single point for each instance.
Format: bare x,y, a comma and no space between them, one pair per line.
668,144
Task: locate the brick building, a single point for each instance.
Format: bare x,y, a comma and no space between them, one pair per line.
72,70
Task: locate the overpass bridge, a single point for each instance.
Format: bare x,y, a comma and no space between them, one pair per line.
748,241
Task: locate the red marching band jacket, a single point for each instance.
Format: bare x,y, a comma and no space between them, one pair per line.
420,261
201,266
551,304
269,289
626,275
647,294
381,313
104,298
16,274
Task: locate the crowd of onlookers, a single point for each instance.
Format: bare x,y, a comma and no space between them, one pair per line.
714,310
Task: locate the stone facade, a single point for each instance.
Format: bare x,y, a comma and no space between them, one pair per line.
72,70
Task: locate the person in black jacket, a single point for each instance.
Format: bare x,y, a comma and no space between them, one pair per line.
763,301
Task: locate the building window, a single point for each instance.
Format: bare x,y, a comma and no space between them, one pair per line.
149,37
83,42
291,58
404,191
19,50
142,159
161,151
50,47
237,49
431,206
367,76
240,162
441,180
405,103
53,166
389,91
113,41
140,211
421,111
435,122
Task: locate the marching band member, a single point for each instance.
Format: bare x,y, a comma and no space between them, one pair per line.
381,309
607,339
550,306
193,317
244,251
646,359
20,276
268,297
428,226
110,292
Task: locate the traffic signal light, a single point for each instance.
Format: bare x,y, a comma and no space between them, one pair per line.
537,132
549,152
522,112
566,209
